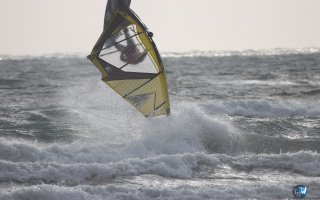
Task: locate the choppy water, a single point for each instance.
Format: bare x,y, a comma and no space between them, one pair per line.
243,125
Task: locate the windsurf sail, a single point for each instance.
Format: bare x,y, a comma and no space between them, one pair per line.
129,61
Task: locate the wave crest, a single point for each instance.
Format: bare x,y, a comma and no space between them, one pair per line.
261,52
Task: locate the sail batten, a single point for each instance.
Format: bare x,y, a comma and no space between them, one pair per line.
129,61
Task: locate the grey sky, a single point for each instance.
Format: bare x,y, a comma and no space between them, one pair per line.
51,26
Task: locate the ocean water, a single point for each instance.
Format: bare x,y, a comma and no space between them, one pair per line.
243,125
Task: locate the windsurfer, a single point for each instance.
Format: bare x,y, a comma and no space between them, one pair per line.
130,53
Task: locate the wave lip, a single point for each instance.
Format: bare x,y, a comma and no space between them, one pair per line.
226,53
262,108
41,56
303,162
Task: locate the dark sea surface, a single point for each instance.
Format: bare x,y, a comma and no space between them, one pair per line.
243,125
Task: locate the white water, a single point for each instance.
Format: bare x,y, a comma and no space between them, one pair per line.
241,127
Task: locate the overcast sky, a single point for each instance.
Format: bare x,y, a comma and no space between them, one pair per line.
67,26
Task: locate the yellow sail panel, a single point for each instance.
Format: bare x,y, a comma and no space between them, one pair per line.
124,87
129,61
150,98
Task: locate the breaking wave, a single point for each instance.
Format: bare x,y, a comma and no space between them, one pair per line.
169,166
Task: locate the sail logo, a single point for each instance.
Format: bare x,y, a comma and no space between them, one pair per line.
299,191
